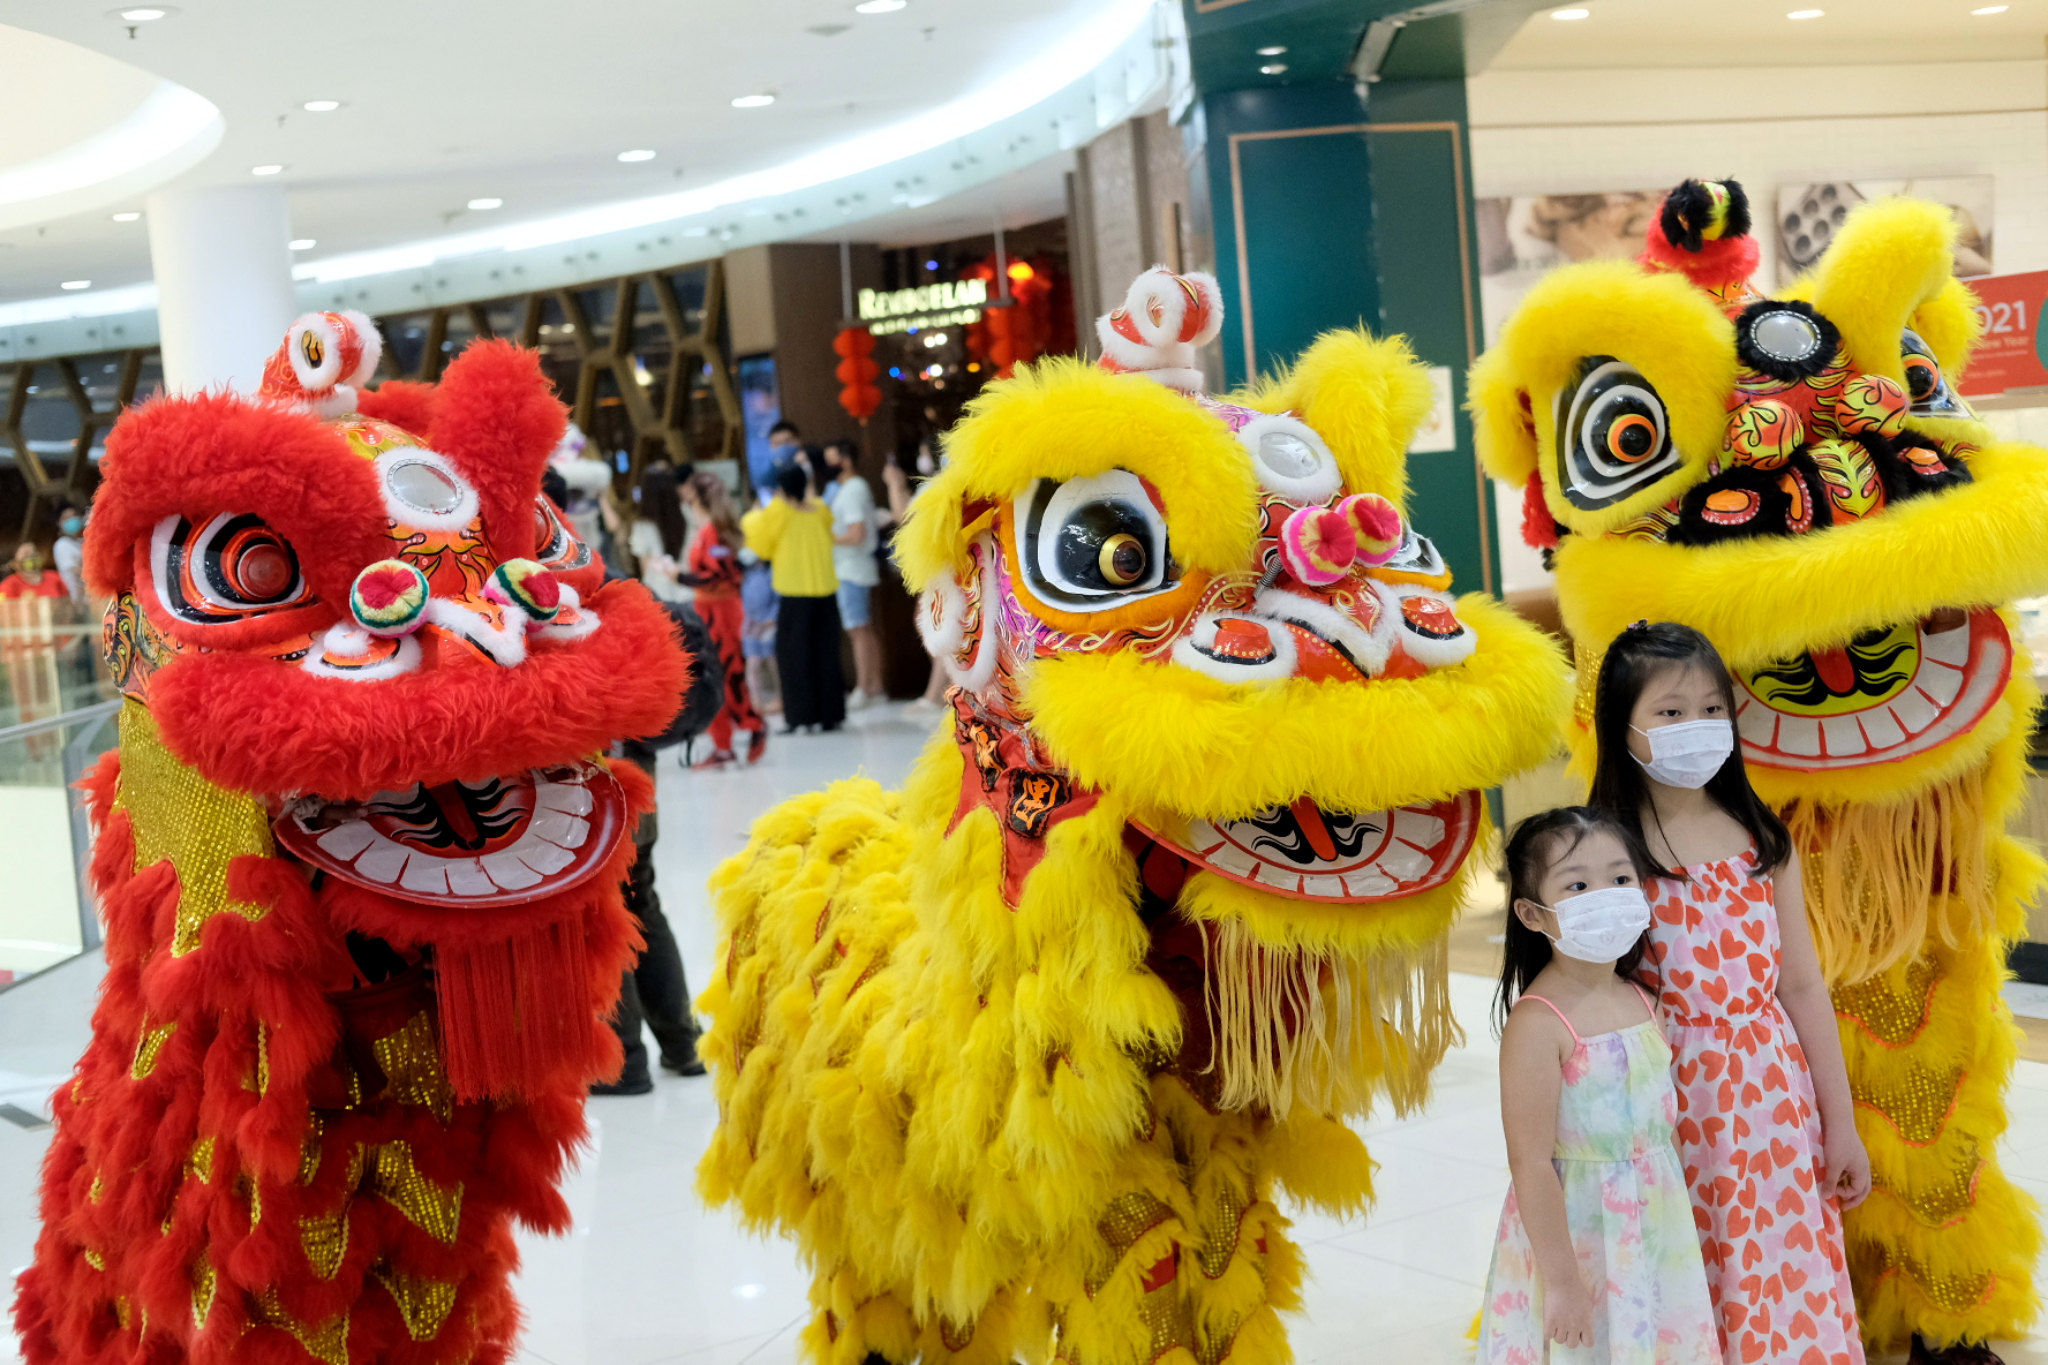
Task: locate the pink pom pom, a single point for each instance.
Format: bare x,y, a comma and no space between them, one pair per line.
1376,524
1318,545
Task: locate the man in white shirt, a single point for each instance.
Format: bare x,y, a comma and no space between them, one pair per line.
68,554
853,558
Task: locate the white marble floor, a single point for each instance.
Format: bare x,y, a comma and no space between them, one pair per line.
648,1275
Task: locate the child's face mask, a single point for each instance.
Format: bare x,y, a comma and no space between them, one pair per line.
1687,754
1601,925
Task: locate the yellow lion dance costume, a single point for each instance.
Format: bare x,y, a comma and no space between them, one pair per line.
1019,1055
1797,478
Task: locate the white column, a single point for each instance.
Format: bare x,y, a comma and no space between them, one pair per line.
224,283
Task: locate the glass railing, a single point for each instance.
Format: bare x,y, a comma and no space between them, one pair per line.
57,714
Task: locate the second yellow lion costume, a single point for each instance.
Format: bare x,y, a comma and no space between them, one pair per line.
1019,1055
1797,478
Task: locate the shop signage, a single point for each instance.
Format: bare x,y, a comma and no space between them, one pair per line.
2012,353
947,303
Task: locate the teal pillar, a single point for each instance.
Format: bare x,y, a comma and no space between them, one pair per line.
1338,202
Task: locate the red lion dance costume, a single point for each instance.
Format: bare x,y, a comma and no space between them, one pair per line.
358,865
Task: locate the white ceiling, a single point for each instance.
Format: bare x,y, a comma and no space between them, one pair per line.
1690,33
524,100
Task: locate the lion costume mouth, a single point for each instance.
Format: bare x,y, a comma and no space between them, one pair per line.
1307,853
501,841
1889,694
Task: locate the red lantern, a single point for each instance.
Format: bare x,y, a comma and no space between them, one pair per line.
856,372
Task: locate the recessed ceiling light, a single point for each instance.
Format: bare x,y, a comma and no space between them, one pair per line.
879,6
301,244
144,14
1805,13
1273,68
1991,9
753,101
271,169
1274,51
76,284
321,106
481,204
128,217
1569,14
637,154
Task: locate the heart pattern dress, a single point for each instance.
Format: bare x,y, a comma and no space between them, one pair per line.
1748,1129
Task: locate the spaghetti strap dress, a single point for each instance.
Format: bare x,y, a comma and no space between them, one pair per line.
1625,1204
1748,1128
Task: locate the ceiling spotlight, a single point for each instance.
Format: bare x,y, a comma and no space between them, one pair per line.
76,284
301,244
1273,69
637,154
1275,51
1570,14
753,101
486,203
1805,13
1991,9
130,216
272,169
879,6
321,106
144,14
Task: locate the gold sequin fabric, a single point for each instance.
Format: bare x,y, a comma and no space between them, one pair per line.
1950,1293
1128,1217
325,1239
200,1162
411,1062
204,1283
326,1343
1948,1195
1917,1107
179,815
1893,1014
1219,1238
424,1304
434,1209
150,1047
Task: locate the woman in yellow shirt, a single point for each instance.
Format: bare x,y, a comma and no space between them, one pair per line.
794,534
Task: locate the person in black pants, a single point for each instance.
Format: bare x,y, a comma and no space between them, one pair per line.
655,991
794,534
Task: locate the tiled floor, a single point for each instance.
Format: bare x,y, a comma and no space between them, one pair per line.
648,1275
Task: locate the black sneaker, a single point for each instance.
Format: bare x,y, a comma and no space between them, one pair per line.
691,1065
637,1085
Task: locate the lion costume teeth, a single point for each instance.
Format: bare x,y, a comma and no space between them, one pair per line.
1021,1055
360,886
1797,478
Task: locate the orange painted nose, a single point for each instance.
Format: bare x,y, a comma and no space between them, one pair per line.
1237,638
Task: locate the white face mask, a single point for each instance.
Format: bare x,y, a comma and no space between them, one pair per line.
1599,926
1687,754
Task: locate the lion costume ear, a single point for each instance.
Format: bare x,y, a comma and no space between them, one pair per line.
1891,260
1367,396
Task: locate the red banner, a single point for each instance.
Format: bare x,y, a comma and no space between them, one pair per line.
2012,353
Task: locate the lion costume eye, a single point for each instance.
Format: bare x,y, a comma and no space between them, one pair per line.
1092,543
1925,383
559,547
1613,436
231,568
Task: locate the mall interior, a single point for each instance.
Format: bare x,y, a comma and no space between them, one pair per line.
839,264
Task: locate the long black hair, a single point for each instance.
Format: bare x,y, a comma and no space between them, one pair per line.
1533,849
661,505
1619,782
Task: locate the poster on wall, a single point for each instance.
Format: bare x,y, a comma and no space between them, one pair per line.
1523,237
1809,216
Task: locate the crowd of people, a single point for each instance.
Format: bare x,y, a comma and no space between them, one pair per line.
783,590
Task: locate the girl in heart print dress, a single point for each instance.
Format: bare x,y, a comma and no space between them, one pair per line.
1766,1127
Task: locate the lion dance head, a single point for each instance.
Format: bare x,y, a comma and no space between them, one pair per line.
358,856
1214,616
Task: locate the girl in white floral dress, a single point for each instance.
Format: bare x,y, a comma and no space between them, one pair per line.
1597,1261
